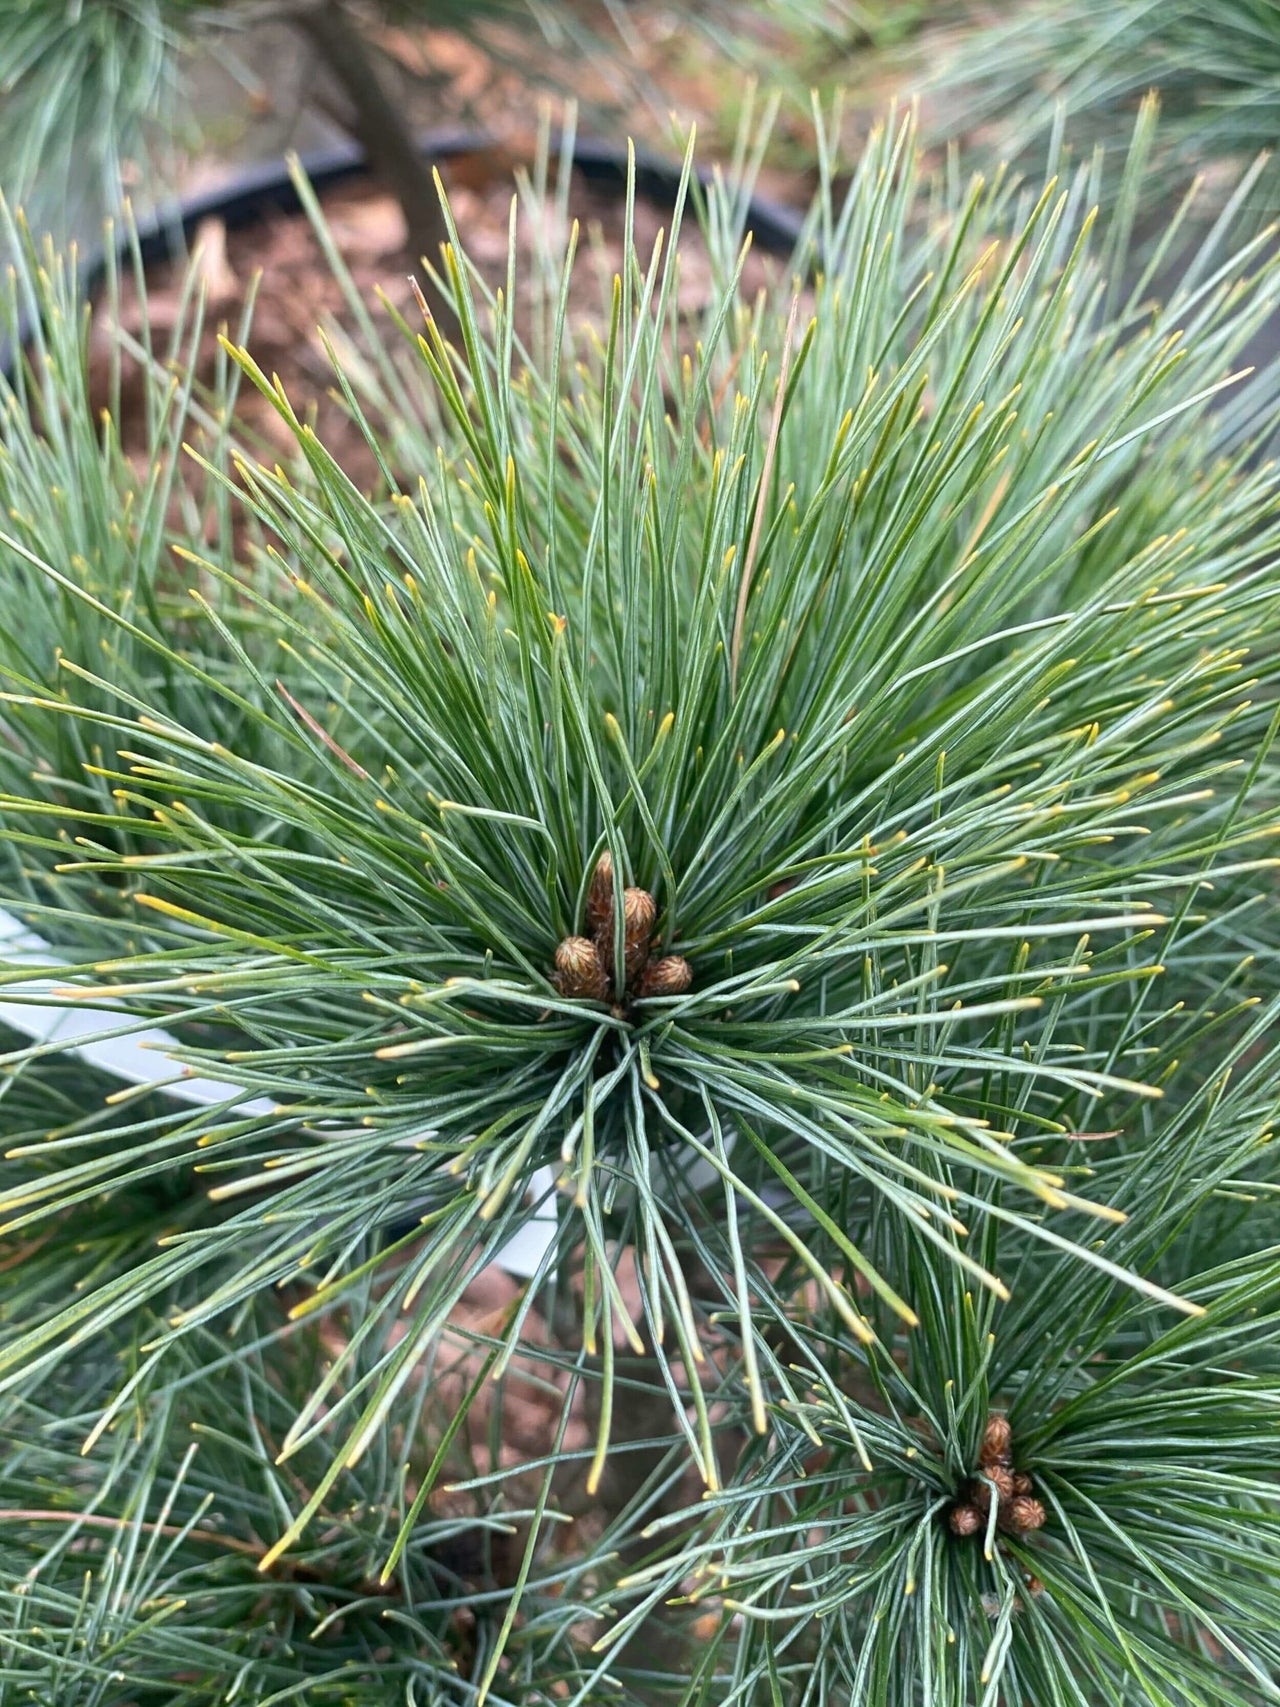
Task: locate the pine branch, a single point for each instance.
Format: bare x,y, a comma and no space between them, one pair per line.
1214,66
957,1114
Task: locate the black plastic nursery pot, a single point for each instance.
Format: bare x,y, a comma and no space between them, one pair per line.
259,190
256,192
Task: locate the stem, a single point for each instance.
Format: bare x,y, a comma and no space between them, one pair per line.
379,126
93,1520
254,1550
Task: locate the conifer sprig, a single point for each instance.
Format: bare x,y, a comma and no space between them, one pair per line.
850,901
913,652
842,1557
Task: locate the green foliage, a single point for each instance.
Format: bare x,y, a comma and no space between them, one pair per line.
910,635
1214,63
1152,1443
175,1509
75,495
80,85
876,23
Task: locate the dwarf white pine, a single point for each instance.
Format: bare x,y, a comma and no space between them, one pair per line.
906,1333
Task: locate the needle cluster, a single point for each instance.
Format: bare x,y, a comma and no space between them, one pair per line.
762,820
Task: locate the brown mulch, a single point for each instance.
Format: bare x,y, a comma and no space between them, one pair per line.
295,292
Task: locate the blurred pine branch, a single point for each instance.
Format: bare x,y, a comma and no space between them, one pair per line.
1020,73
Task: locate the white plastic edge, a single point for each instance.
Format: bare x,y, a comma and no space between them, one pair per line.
132,1056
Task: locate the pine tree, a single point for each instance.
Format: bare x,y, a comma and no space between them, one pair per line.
780,798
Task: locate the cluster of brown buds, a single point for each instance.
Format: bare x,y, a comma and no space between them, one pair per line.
585,964
1017,1511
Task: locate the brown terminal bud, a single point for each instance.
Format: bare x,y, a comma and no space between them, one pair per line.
966,1520
1002,1481
578,969
639,912
670,976
1026,1513
600,894
1022,1483
997,1442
